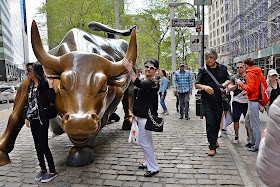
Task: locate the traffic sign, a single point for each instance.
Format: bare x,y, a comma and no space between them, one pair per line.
196,42
202,2
198,28
183,22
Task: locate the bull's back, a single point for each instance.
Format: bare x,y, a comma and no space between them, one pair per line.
79,40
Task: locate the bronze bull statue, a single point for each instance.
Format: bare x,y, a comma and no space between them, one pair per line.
90,83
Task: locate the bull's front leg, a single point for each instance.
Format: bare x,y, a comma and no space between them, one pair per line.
127,102
15,123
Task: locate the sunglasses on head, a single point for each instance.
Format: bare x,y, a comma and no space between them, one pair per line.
29,70
239,67
150,67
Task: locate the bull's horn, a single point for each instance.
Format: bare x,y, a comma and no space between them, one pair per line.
131,54
43,57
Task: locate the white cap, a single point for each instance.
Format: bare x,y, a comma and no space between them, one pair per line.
272,72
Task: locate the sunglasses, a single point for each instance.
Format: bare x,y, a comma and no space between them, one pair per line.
150,67
239,67
29,70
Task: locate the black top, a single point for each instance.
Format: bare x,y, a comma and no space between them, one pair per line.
221,74
238,90
274,93
46,97
145,97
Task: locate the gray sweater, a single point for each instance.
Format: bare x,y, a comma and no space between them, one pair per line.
268,161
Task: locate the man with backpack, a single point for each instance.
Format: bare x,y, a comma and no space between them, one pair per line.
254,77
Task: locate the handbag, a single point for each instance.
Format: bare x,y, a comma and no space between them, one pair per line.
134,132
154,123
224,97
263,96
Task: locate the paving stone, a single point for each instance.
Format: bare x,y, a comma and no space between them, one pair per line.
112,183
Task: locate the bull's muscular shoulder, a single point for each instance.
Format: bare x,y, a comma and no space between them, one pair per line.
79,40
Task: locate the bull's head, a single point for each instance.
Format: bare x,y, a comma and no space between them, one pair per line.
84,80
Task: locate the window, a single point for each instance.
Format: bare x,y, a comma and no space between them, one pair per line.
222,10
227,37
222,20
214,34
217,13
218,41
218,32
217,5
227,27
218,22
214,25
214,42
221,2
222,29
209,18
223,39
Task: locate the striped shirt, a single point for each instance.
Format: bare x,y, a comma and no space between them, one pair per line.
183,81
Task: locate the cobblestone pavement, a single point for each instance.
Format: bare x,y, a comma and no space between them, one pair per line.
181,152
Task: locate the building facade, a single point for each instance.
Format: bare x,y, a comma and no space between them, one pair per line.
13,40
253,30
219,25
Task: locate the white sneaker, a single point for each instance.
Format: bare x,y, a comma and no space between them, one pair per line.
219,134
236,140
226,132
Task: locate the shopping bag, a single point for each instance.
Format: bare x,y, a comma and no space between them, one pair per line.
133,136
242,119
227,120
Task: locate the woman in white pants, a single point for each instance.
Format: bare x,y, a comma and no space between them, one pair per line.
146,98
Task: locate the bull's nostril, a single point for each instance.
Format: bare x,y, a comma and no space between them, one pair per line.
66,117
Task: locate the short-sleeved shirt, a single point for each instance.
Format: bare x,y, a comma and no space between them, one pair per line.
237,96
233,79
221,74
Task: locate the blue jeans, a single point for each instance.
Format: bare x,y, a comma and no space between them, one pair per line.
162,98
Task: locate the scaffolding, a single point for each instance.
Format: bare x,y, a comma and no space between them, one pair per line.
254,26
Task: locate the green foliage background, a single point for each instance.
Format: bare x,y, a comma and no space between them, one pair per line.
153,26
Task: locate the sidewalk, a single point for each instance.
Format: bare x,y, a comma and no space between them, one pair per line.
181,152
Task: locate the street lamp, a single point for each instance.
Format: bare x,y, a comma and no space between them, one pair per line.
172,5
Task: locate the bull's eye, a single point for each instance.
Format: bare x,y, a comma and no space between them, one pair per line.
103,88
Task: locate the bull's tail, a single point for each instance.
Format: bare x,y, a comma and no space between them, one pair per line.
95,26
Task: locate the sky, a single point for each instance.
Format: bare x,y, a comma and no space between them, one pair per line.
33,5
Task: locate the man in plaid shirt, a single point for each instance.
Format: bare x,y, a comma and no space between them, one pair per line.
182,84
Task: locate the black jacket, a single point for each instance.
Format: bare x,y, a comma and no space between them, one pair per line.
46,97
146,97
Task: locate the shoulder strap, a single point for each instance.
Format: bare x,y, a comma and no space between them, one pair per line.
211,75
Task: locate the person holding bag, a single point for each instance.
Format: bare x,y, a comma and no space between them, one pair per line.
145,100
212,79
254,78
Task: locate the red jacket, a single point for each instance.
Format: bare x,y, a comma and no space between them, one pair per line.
253,77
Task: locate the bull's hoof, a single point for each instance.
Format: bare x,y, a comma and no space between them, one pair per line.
80,156
4,158
127,123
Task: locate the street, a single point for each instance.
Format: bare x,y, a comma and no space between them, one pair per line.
181,152
5,106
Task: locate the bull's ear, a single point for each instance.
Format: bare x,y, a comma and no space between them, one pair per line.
118,80
50,73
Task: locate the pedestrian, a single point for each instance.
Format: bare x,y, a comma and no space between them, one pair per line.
254,77
163,86
146,99
192,73
267,164
182,84
40,95
212,96
240,100
273,89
